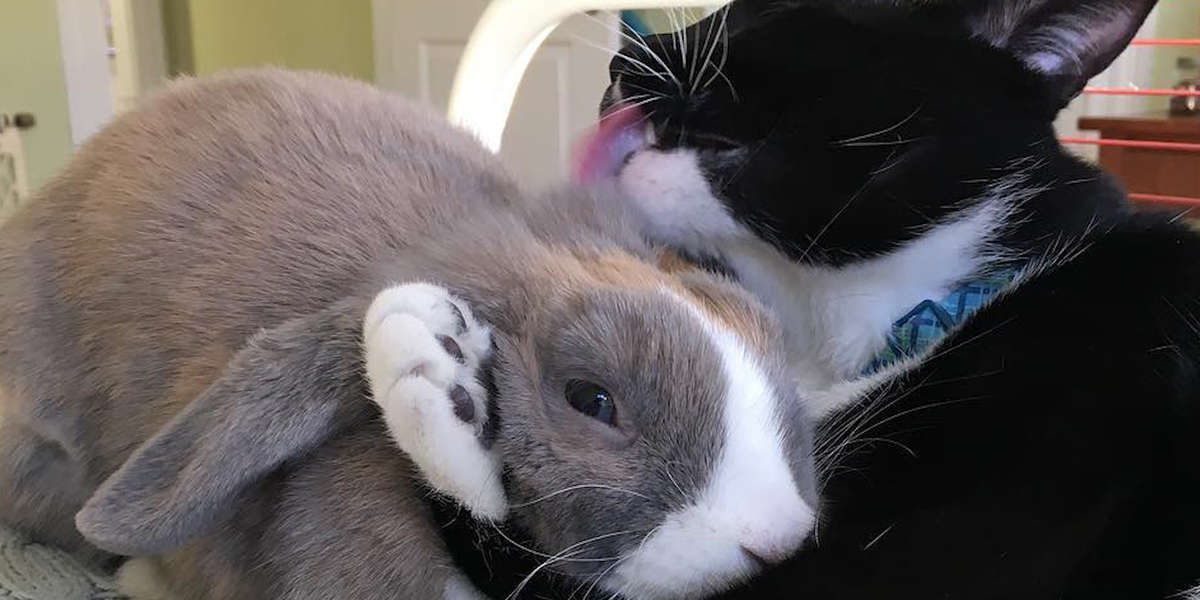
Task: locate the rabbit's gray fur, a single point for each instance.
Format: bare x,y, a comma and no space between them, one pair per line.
182,307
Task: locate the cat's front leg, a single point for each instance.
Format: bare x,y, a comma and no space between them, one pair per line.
423,351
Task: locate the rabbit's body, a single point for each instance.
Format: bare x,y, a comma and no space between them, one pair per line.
181,357
200,296
90,370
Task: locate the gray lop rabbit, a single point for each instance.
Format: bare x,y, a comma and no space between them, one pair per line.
221,319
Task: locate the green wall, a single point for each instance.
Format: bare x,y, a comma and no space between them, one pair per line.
32,80
204,36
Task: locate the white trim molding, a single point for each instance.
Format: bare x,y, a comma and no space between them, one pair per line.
141,57
85,66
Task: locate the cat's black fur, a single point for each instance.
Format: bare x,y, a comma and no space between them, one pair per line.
1048,449
837,139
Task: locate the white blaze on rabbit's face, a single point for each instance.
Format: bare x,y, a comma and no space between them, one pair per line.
699,476
749,515
698,472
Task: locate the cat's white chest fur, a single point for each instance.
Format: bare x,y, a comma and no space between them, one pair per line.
835,319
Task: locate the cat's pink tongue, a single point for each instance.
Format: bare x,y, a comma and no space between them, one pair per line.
602,151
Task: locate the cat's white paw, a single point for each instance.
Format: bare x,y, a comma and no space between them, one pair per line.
423,351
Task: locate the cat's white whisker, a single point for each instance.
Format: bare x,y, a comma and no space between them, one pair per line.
715,38
888,129
720,70
623,30
645,69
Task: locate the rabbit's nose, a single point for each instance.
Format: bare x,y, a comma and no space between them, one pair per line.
768,555
773,539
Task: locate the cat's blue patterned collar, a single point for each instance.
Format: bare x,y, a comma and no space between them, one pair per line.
930,320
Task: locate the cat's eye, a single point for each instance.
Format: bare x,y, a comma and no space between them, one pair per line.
592,400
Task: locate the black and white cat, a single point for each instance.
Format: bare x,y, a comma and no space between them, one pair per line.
848,160
862,165
853,161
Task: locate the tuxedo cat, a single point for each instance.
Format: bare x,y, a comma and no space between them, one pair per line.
849,160
870,167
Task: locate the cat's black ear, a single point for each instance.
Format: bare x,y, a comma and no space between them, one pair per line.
742,14
1067,41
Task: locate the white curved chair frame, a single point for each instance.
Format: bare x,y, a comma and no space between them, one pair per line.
500,48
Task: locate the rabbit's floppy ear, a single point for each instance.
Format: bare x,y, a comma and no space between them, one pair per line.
282,395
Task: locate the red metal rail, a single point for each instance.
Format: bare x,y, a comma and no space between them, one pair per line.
1150,91
1166,42
1160,199
1169,200
1120,91
1179,146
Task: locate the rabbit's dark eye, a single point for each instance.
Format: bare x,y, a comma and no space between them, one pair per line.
592,400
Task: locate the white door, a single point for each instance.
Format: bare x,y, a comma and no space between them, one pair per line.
138,56
52,66
417,47
13,187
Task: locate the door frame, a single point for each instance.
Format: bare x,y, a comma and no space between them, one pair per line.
140,50
85,66
138,30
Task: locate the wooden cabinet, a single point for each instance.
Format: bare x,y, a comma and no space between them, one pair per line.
1151,170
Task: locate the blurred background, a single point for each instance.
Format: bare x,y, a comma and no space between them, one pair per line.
68,66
